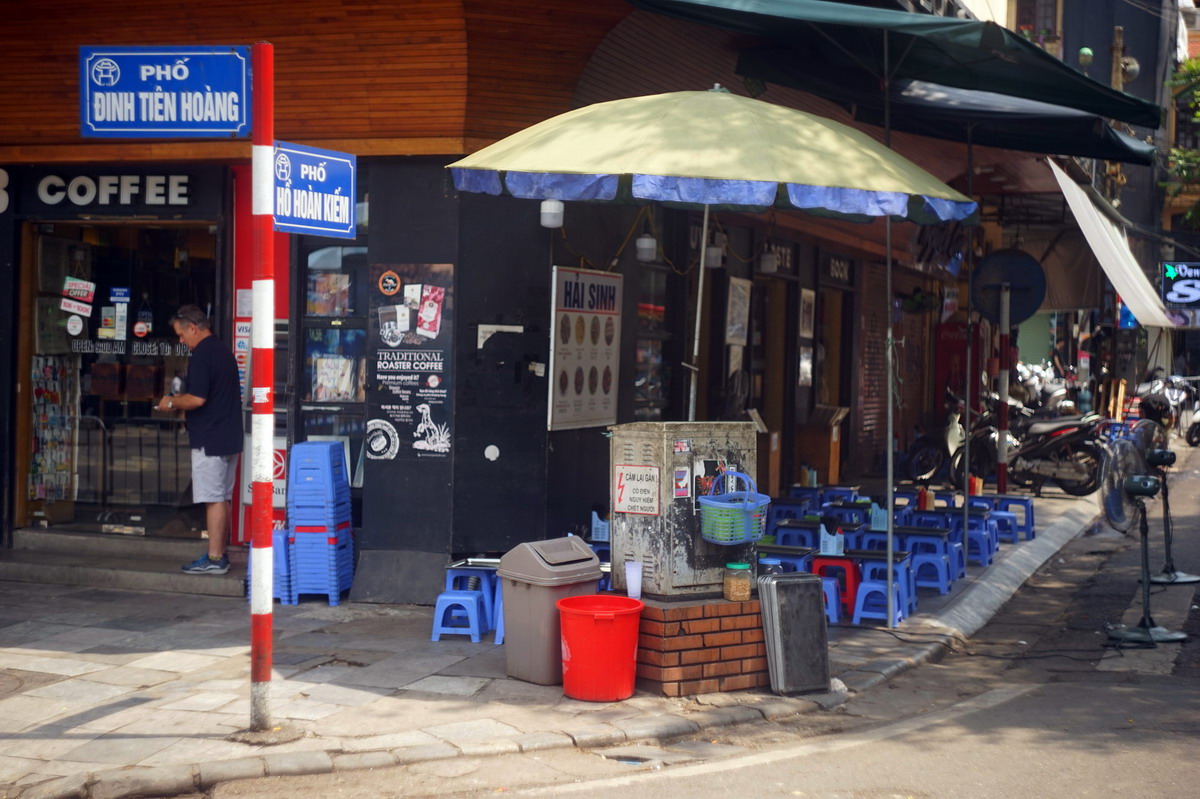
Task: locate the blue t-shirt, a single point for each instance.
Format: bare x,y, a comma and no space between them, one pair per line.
216,426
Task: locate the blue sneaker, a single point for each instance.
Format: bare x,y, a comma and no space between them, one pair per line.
205,565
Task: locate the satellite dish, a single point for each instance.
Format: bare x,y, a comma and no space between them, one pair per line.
1123,460
1024,276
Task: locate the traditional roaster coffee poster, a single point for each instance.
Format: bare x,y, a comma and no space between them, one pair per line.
584,349
410,407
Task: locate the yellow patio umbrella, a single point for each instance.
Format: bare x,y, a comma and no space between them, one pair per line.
710,149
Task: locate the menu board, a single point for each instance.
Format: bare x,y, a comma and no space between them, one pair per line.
584,349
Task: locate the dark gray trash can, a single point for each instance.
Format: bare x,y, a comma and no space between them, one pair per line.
535,575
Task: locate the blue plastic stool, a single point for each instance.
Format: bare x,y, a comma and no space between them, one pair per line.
905,580
1007,503
838,494
795,537
459,579
498,607
1007,528
871,602
931,570
471,603
833,599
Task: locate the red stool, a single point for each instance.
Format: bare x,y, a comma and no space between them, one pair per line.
850,576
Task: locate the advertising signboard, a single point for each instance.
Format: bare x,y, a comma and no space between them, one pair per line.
584,348
165,92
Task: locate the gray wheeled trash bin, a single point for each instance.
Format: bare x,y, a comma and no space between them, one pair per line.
535,576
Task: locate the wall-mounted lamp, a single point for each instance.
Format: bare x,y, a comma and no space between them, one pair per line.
1085,57
1130,69
768,263
552,213
646,248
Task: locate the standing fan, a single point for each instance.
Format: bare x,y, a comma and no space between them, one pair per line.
1151,438
1125,487
1123,460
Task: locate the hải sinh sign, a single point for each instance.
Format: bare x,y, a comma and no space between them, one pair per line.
165,92
314,191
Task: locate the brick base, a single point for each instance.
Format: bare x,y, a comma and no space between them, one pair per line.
700,647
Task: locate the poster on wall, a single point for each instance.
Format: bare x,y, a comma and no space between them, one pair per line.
585,348
410,407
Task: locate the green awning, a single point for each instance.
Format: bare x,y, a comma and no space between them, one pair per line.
837,39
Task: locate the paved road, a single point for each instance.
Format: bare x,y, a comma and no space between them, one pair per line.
1033,705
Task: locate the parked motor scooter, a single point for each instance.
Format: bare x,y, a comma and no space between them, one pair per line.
1066,451
931,450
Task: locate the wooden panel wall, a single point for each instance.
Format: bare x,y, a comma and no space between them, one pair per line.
402,74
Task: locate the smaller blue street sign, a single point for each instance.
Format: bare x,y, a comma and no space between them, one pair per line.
315,191
165,92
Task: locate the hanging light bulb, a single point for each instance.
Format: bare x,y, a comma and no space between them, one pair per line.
552,213
647,248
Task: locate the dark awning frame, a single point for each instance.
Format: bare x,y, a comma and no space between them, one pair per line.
852,42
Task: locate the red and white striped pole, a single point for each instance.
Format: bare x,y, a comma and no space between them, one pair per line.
262,383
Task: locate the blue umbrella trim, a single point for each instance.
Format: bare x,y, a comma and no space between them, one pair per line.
856,203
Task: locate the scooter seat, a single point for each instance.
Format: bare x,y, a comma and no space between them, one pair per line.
1042,428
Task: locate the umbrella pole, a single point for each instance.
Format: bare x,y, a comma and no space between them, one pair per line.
694,366
890,371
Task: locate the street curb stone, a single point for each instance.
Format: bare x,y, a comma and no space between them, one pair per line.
776,709
160,781
724,716
534,741
425,752
294,764
72,787
666,726
499,746
363,760
596,735
243,768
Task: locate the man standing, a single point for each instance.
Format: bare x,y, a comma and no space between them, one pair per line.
212,402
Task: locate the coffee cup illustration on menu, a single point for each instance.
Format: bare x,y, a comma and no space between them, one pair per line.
429,316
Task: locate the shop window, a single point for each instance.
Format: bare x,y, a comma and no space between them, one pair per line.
654,346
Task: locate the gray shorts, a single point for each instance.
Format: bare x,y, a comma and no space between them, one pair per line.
213,476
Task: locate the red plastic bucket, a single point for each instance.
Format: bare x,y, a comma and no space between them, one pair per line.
599,646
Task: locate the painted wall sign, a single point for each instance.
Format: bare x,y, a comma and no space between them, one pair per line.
164,92
635,489
314,191
585,348
66,190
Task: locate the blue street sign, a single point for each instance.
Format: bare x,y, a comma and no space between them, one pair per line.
314,191
165,92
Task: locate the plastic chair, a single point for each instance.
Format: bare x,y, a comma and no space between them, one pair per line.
471,605
1007,503
931,570
872,603
850,574
459,579
833,599
877,571
498,607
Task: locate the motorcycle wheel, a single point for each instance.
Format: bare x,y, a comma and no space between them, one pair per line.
925,461
1091,457
1193,435
983,463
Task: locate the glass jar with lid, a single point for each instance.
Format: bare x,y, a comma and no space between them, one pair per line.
739,579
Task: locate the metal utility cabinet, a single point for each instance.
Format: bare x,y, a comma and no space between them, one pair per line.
653,471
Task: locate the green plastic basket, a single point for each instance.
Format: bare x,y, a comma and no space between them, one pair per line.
738,517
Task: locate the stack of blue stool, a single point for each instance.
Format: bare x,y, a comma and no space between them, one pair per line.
282,578
321,538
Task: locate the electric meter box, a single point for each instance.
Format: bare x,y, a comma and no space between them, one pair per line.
655,472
